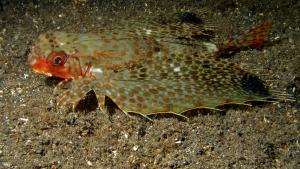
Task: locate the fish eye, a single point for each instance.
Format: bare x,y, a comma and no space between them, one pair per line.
58,58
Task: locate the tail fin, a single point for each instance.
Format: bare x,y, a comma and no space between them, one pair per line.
254,38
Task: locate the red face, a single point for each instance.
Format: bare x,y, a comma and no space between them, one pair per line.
58,64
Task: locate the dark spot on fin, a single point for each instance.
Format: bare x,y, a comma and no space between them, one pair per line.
88,103
110,105
53,81
189,17
253,84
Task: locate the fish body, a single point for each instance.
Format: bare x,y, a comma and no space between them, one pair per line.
150,70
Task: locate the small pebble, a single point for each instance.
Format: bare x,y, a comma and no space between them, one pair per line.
19,90
89,163
136,147
25,120
178,142
26,75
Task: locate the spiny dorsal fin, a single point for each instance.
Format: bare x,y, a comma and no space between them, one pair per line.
183,28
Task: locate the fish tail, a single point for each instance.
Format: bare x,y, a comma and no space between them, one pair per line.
253,38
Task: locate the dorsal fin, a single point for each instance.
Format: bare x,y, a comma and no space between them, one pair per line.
254,38
183,28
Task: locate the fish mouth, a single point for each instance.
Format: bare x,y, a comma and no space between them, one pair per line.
70,69
32,60
38,65
42,66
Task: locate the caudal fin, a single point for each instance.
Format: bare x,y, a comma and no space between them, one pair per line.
253,38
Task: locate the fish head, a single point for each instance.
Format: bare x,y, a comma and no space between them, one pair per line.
50,56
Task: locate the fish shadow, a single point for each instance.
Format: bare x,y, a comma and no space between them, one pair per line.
53,81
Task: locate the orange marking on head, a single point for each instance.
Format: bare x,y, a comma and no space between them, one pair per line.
58,64
45,67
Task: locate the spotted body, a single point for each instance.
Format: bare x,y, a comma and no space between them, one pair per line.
151,69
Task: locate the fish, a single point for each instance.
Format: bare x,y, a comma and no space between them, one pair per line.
151,68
